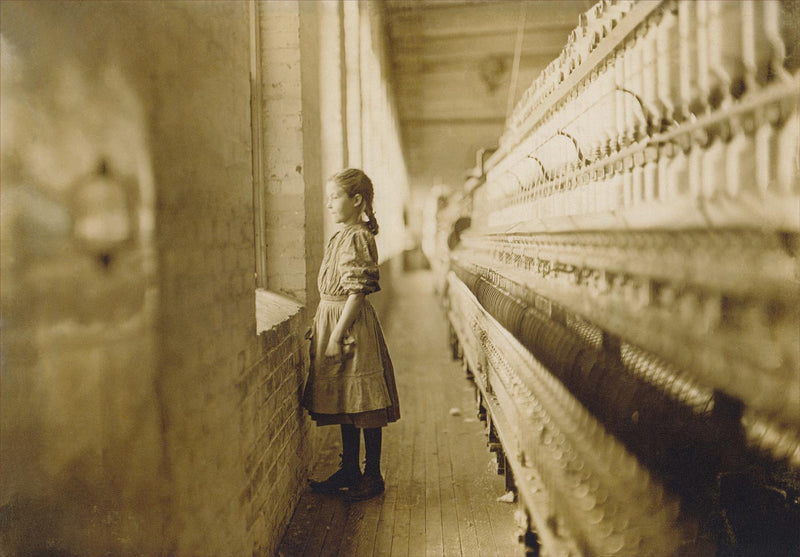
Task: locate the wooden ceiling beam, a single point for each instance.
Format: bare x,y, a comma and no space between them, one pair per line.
454,120
413,68
406,5
413,35
534,42
482,18
459,96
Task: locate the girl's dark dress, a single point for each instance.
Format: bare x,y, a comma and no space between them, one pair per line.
359,390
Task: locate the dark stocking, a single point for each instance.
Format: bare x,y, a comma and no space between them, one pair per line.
349,474
372,444
351,443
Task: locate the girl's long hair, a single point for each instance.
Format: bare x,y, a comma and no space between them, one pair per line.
353,181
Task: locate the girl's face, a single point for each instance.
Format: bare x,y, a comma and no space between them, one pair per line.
343,208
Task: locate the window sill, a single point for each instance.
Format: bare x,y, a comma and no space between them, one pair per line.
273,309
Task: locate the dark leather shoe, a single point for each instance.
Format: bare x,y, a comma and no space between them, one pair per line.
341,479
369,487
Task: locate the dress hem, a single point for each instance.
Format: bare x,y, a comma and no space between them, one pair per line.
363,420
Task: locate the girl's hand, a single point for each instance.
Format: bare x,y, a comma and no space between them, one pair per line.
334,348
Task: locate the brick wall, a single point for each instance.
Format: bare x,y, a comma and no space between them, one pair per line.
282,128
278,438
280,441
289,124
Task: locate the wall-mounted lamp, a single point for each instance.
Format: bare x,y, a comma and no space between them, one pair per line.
103,214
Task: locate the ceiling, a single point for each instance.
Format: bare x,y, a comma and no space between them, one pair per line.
453,69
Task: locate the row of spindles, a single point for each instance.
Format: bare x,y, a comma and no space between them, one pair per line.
710,86
611,502
685,58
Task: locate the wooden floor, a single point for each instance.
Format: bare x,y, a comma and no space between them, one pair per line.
441,482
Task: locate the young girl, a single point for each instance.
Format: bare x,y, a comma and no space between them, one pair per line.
351,379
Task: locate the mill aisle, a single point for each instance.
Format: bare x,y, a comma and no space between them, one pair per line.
442,486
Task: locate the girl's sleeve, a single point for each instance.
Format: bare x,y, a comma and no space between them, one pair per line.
358,264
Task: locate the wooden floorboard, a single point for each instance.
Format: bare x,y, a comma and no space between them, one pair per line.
417,507
335,529
320,527
450,538
402,515
461,482
385,525
441,496
353,528
434,536
331,534
483,499
360,529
